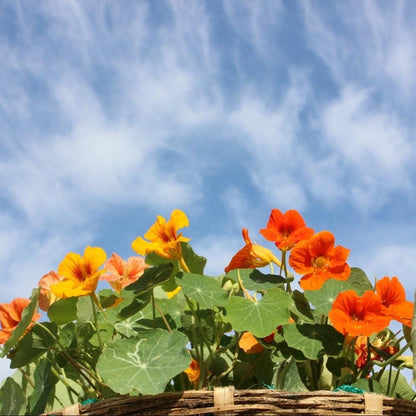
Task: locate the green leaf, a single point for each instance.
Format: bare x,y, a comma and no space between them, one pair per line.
313,340
35,343
106,333
151,277
84,309
27,316
358,281
324,297
145,363
254,279
368,385
63,310
262,317
207,291
130,306
301,307
195,263
12,398
401,390
43,386
107,297
288,377
207,323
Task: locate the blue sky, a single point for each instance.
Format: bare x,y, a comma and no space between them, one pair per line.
113,112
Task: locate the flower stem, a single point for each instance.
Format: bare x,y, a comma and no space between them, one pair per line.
94,312
184,266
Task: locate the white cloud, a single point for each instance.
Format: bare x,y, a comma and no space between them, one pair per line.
371,147
269,135
370,41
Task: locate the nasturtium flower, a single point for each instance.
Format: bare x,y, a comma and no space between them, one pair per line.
121,273
163,237
318,261
80,273
287,229
193,372
358,315
46,296
252,255
361,350
250,345
393,298
11,315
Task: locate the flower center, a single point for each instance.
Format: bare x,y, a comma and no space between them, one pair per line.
319,262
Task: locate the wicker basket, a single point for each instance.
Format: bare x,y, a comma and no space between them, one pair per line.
227,401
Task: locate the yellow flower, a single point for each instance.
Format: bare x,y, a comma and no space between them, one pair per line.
163,237
80,274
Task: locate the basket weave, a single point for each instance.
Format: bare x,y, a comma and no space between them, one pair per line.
227,401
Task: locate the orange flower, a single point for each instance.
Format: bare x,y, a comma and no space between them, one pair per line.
249,344
355,315
46,296
393,298
318,260
121,273
11,315
361,349
193,372
80,274
163,237
285,230
251,256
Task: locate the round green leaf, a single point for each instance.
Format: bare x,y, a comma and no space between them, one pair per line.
204,289
262,317
313,339
144,363
324,297
359,281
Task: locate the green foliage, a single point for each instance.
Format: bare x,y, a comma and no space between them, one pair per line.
12,398
205,290
261,317
141,340
144,363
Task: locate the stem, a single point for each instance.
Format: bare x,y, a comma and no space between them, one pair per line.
240,282
94,312
153,309
162,316
80,368
288,288
184,265
28,379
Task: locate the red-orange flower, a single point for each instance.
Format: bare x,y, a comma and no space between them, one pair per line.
393,298
287,229
361,349
251,256
46,296
120,273
11,315
318,261
163,237
80,273
193,372
354,315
